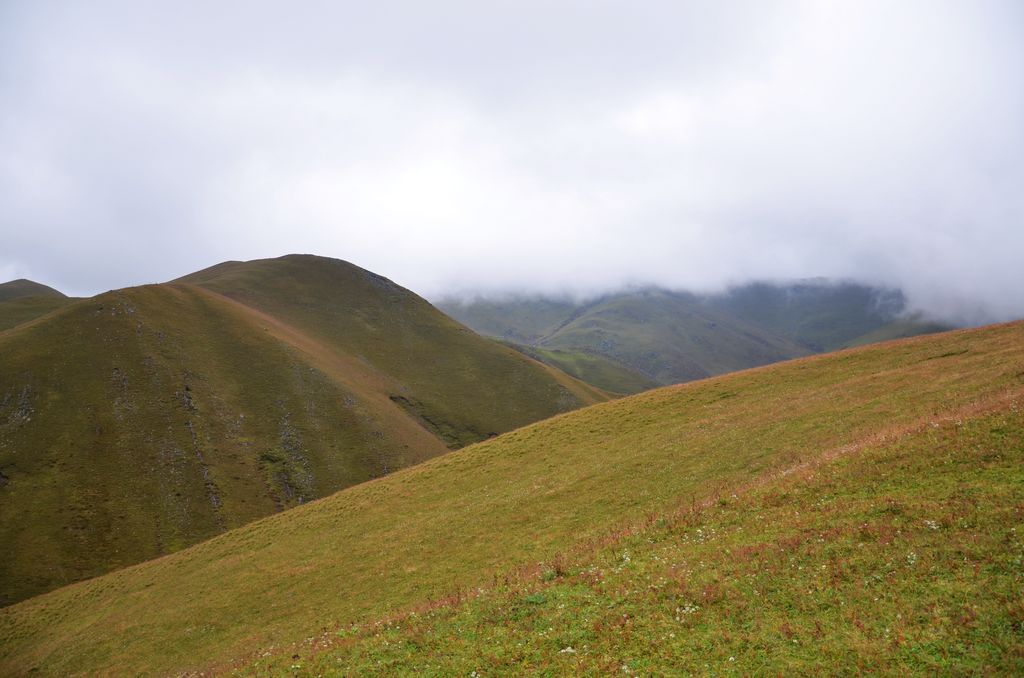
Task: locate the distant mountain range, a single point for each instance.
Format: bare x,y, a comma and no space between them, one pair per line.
143,420
630,341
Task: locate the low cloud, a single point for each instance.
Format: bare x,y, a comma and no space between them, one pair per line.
572,148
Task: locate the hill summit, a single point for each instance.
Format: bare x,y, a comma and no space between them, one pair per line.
23,300
16,289
143,420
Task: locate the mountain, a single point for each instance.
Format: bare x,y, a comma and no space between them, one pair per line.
662,337
17,289
855,509
25,300
143,420
669,337
822,315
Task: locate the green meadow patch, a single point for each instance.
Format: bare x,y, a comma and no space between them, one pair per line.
901,558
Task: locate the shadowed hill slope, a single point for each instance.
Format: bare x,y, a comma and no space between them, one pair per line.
144,420
24,300
457,521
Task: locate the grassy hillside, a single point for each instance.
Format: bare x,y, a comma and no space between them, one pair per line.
23,309
461,387
903,557
459,521
521,320
15,289
594,369
24,300
144,420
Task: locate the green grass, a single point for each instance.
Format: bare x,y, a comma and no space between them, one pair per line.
459,521
594,369
905,557
25,300
462,387
21,310
16,289
142,421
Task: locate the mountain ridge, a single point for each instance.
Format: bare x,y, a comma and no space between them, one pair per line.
668,336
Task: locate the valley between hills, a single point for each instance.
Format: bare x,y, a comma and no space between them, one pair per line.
296,467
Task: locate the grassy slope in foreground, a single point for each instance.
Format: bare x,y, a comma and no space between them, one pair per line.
902,557
454,521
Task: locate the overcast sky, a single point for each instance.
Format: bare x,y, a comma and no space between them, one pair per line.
533,146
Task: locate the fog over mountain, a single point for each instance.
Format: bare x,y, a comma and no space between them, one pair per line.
538,147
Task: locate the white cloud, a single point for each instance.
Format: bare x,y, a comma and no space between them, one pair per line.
528,146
